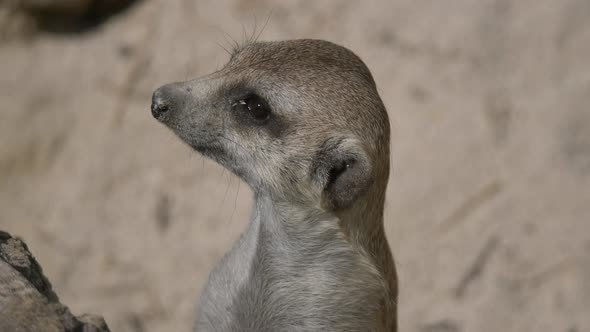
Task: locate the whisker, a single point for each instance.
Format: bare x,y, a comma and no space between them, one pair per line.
235,202
232,141
264,26
253,31
226,190
244,34
224,48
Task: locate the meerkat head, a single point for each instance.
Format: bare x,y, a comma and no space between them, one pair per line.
299,120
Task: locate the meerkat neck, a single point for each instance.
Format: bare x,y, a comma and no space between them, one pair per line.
287,217
362,224
365,228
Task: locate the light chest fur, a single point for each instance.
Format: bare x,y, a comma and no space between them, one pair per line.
303,265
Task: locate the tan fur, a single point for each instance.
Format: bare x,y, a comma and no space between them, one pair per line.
315,256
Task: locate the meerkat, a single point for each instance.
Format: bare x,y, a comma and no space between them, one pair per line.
301,122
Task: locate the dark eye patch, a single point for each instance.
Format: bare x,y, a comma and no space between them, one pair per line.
252,110
254,106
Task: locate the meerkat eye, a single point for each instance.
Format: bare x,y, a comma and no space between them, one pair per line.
254,106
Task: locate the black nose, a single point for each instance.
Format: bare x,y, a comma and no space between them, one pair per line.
160,104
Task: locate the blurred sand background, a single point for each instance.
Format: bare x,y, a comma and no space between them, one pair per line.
488,208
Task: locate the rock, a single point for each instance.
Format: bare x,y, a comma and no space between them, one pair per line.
68,7
24,17
27,300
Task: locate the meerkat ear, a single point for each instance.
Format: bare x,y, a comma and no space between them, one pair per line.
342,171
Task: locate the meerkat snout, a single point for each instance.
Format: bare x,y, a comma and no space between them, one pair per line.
160,104
302,123
168,99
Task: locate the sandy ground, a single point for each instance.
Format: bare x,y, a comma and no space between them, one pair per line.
488,206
